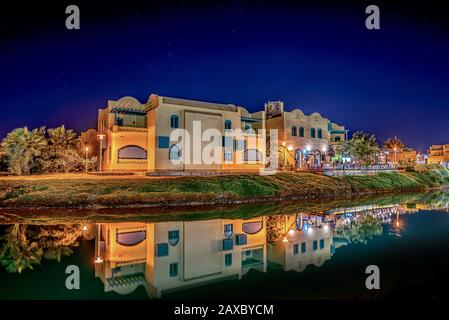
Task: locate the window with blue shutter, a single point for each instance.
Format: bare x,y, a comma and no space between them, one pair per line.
163,142
295,249
174,121
312,133
294,131
315,245
228,125
173,269
161,249
228,259
322,244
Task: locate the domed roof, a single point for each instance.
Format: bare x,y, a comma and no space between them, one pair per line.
128,103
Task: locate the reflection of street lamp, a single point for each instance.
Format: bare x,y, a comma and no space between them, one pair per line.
395,149
98,259
87,150
101,137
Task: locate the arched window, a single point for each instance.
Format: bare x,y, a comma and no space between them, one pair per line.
312,133
131,238
173,237
301,132
132,152
252,155
174,121
252,227
294,131
174,152
228,125
320,133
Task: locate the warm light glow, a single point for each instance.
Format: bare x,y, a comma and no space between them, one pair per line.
99,260
291,232
324,149
290,148
397,223
87,149
85,228
395,149
101,136
283,143
285,240
326,227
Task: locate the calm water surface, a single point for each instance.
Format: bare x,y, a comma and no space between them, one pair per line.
282,251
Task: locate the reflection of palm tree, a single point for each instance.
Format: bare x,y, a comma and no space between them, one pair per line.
18,253
24,246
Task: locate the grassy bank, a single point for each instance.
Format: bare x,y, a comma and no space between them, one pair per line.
196,191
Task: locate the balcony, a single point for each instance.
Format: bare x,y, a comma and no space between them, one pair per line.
129,128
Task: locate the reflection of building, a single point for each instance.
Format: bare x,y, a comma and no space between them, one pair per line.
169,256
302,246
438,153
137,136
306,137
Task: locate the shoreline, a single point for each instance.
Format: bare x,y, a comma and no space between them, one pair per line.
191,193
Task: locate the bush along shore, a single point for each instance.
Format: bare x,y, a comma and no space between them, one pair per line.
203,191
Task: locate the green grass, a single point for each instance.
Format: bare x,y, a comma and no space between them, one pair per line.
122,192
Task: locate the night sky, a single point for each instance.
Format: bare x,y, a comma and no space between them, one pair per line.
311,55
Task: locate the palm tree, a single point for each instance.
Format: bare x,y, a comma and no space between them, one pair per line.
21,147
61,138
393,143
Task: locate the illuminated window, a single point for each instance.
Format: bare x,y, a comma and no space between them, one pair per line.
252,155
174,152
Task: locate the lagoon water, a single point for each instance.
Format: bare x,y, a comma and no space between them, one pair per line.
279,251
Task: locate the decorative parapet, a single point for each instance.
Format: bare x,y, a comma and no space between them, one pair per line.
129,129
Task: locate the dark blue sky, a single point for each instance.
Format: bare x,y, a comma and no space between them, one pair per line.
317,57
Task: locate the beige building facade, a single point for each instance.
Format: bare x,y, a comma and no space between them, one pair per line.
438,153
139,137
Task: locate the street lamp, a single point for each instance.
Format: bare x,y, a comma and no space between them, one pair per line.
87,150
101,137
395,149
285,159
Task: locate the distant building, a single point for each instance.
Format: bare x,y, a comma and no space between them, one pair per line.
306,138
398,156
438,153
